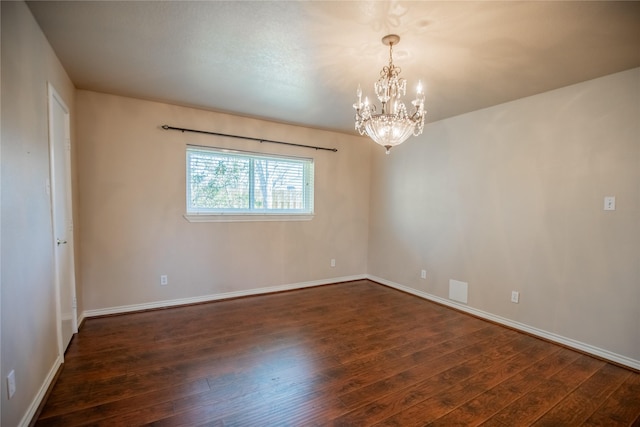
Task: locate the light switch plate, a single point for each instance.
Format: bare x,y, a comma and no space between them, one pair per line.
610,203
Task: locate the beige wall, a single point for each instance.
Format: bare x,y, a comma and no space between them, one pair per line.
29,343
511,198
132,202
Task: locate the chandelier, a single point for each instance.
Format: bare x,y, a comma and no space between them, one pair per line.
393,124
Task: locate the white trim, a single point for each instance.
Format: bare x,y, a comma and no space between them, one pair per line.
37,400
215,297
253,217
586,348
80,319
53,98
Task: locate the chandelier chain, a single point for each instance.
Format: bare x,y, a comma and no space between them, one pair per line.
390,70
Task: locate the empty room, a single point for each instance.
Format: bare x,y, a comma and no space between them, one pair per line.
287,213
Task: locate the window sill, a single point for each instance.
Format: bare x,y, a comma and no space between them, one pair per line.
247,217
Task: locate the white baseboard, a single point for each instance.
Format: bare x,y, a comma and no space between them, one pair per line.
586,348
37,400
80,319
214,297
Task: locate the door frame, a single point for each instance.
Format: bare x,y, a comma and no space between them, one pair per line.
54,97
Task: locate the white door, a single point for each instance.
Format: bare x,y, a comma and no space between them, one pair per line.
61,213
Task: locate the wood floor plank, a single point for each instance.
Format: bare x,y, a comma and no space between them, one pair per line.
400,396
94,414
423,364
535,403
355,353
620,408
577,407
453,394
489,402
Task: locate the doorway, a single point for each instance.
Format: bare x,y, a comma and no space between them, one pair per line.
62,218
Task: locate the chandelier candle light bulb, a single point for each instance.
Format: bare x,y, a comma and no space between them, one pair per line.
393,125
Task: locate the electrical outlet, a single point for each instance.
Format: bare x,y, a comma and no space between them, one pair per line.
515,296
164,280
11,383
423,274
333,262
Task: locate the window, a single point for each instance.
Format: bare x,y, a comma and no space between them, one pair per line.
223,182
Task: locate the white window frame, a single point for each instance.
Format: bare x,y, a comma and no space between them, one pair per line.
196,214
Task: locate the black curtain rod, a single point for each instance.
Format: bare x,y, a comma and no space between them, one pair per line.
167,127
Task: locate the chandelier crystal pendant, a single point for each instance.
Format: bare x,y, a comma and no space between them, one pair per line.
393,125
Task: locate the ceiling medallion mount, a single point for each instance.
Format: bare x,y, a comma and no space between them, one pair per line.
390,39
393,124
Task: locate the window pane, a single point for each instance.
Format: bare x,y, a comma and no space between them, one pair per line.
279,184
218,181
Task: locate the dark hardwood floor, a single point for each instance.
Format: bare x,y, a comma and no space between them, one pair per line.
350,354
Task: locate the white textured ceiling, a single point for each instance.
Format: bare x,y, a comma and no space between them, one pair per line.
300,62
